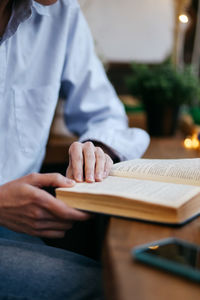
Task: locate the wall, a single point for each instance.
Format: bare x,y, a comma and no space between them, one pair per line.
127,30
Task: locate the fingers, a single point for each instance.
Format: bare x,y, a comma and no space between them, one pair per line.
36,227
52,179
100,164
69,171
49,217
76,161
47,233
50,234
52,225
54,207
87,162
107,166
26,208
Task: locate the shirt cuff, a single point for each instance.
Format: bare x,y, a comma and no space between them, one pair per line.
127,143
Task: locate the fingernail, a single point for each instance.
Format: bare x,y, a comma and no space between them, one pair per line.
99,176
90,177
79,177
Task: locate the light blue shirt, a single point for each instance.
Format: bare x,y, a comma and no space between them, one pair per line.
46,48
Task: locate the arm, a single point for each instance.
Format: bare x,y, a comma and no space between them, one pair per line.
93,110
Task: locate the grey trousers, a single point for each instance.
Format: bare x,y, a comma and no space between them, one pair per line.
31,270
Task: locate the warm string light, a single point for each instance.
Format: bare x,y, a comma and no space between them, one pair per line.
192,142
183,18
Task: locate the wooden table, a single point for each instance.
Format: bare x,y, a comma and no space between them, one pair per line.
126,279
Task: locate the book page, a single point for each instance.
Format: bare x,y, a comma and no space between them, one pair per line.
185,171
167,194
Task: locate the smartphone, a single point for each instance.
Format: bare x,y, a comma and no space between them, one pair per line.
172,255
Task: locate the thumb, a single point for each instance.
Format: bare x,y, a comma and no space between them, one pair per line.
50,179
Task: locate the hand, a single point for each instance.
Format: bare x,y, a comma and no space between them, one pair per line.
87,162
24,207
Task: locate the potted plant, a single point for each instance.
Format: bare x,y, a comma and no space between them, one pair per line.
162,89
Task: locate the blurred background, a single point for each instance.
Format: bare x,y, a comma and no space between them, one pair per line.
128,30
151,53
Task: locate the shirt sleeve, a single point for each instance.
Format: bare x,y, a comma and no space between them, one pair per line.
93,110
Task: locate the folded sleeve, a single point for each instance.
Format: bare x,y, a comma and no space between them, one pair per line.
92,110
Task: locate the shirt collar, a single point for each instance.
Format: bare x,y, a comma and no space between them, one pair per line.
40,9
22,10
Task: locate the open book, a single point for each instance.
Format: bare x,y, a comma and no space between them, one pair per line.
164,190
